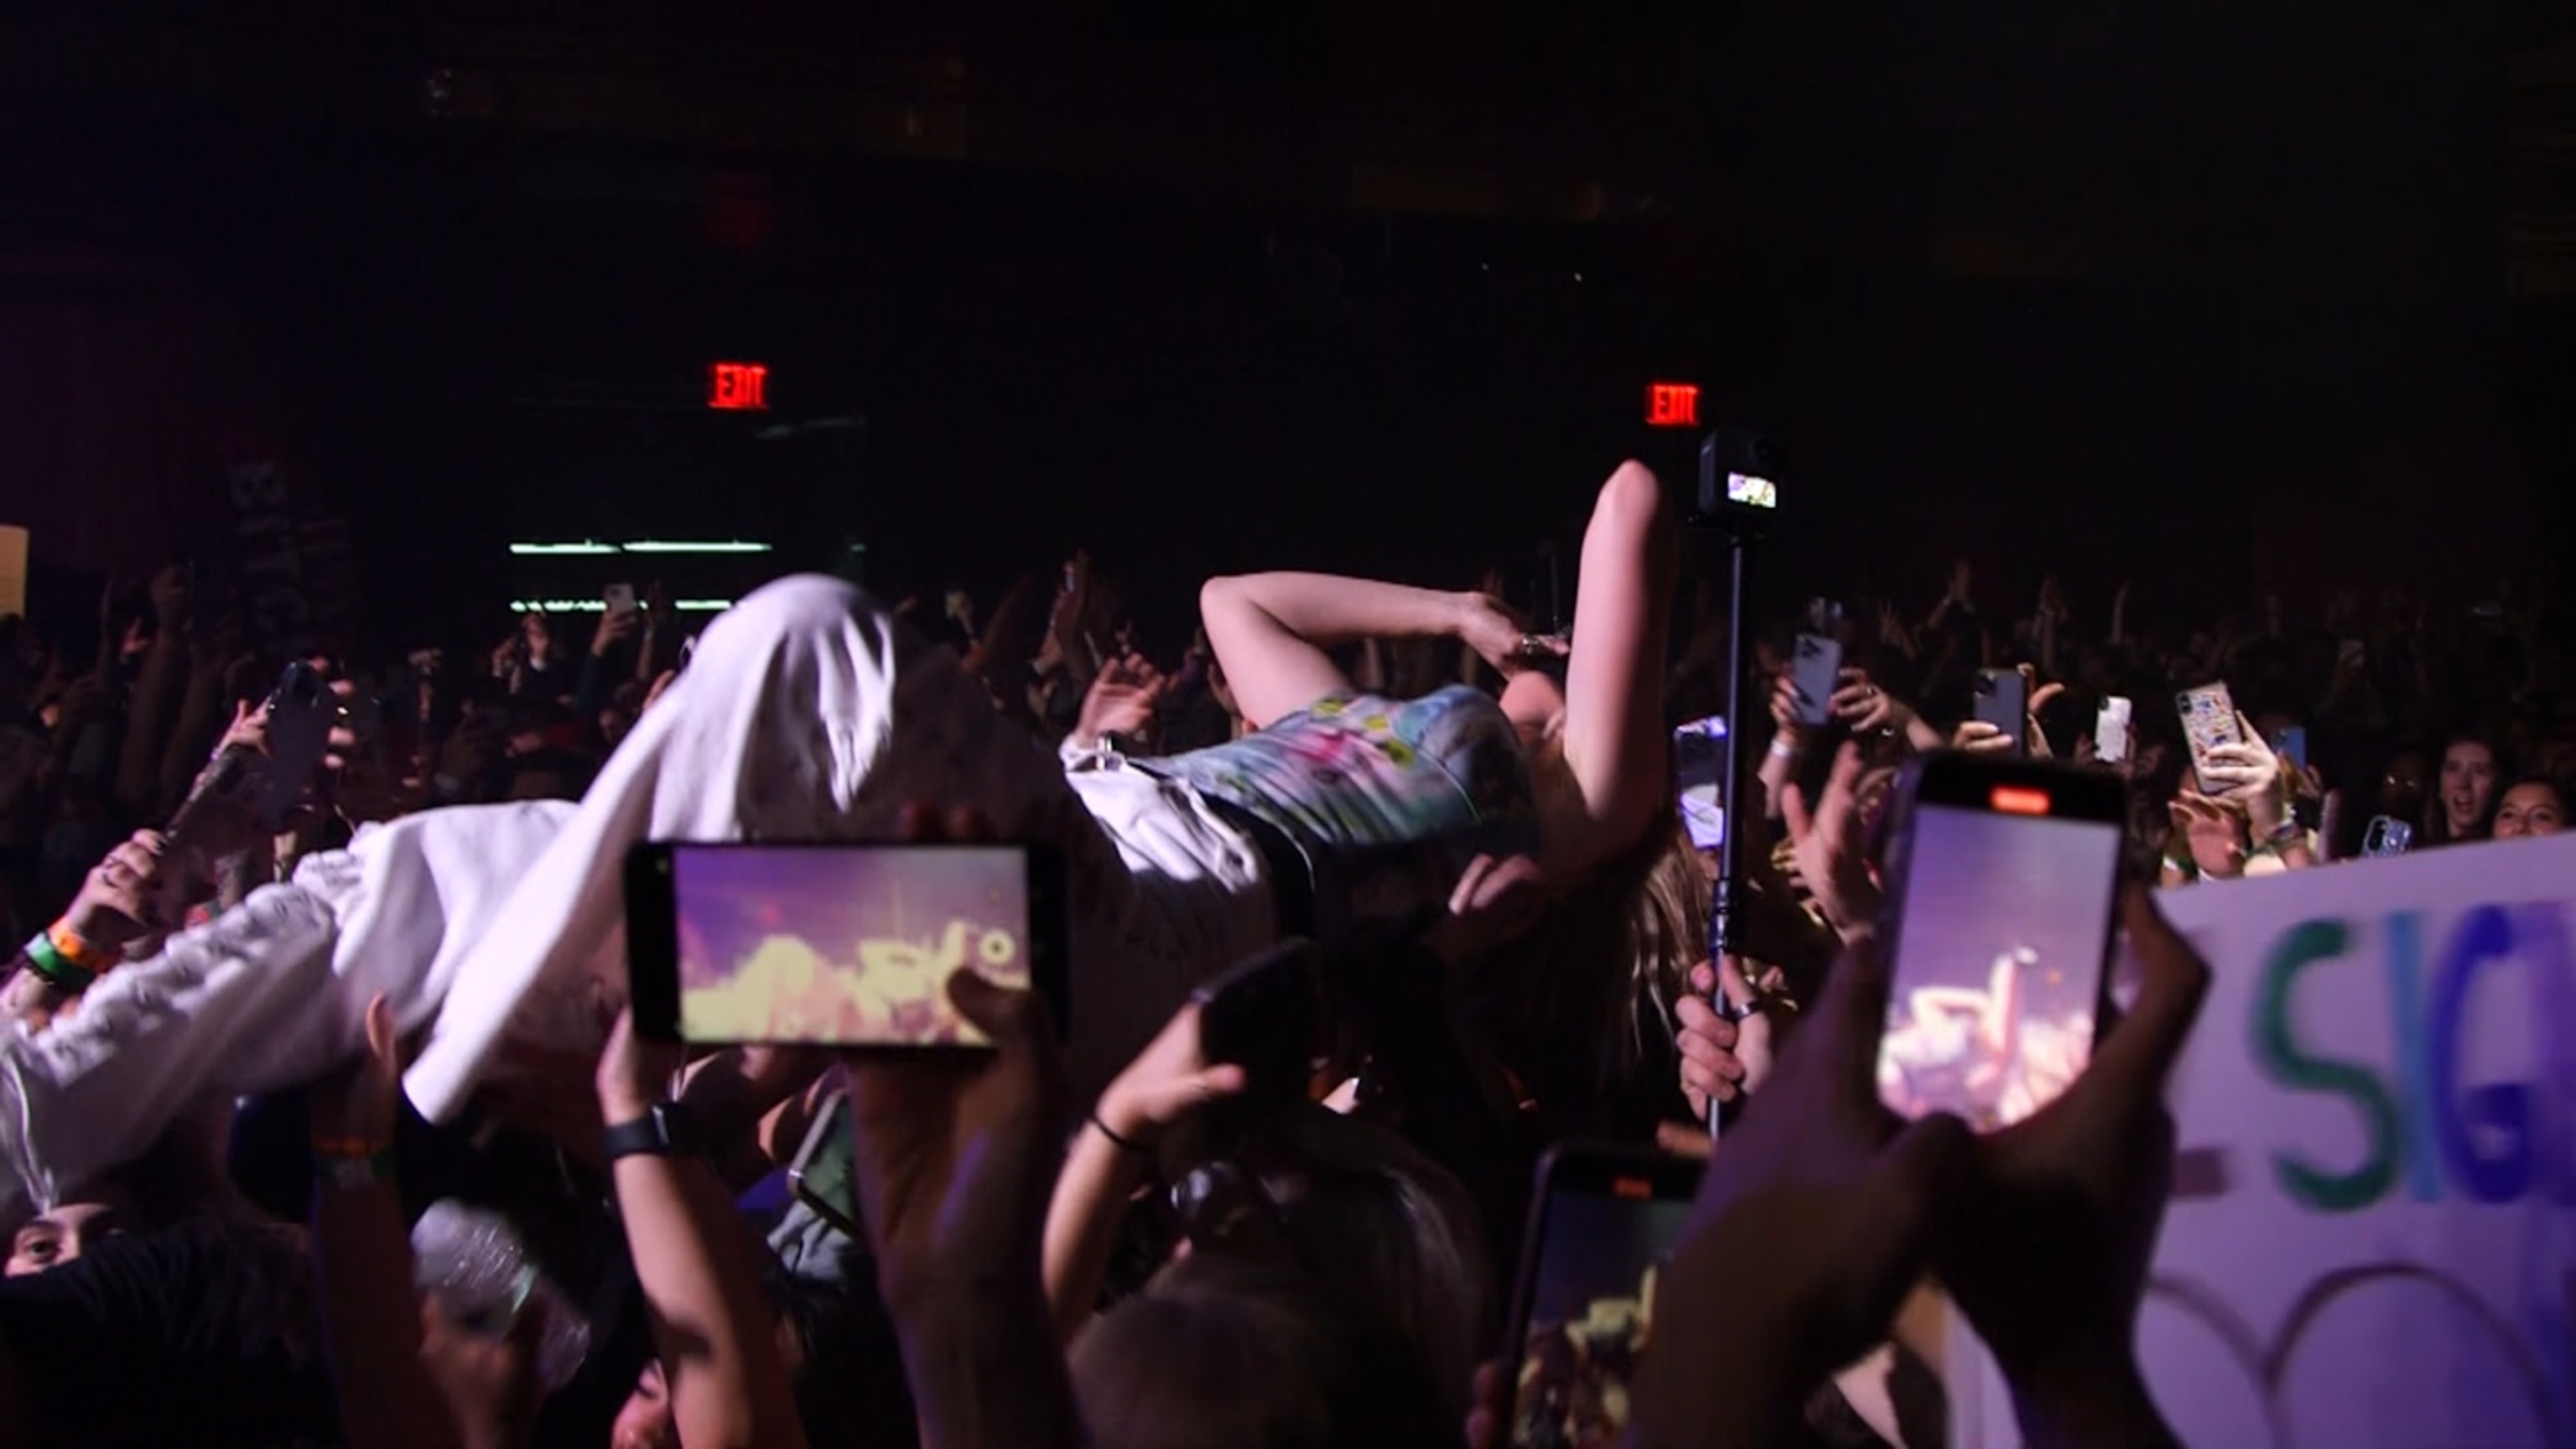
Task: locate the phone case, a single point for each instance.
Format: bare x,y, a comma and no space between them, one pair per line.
1817,672
2208,721
2003,700
300,713
2111,732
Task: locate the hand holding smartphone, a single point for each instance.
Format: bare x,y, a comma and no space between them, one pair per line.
2003,700
836,944
2112,737
1602,1226
2209,720
2003,877
1266,1016
1816,671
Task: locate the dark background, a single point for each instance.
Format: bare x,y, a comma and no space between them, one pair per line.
2225,298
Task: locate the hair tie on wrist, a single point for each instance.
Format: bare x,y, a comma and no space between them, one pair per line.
1122,1143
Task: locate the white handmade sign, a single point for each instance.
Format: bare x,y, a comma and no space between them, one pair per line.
2373,1234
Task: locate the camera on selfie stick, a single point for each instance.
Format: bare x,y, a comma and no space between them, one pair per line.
1738,501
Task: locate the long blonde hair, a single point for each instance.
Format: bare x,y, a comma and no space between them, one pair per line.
1575,1000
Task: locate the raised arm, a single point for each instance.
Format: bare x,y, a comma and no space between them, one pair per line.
1614,700
1270,632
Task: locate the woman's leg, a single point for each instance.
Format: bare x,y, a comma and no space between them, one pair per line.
805,714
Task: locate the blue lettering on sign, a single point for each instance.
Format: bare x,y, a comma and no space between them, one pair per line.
2495,1142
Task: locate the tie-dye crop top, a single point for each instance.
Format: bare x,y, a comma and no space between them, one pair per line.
1388,799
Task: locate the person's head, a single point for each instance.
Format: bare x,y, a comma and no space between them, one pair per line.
1575,991
1250,1353
2533,805
1391,1233
61,1236
2464,790
842,1363
2402,786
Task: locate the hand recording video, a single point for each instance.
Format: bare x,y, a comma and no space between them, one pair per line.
1592,1304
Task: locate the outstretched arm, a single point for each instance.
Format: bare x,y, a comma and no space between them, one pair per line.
1270,632
1614,698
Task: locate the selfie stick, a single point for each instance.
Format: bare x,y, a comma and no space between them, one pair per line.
1742,527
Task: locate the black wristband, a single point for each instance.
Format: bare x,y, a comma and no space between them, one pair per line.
665,1130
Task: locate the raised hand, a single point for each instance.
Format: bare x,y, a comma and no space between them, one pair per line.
1828,843
1495,902
1121,701
1864,707
1720,1059
956,1160
2058,1215
141,887
1816,1217
2249,776
1168,1081
2213,832
1501,637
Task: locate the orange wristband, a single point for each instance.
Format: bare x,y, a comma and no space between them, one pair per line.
72,947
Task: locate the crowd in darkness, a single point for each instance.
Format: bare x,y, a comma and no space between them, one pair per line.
1045,1254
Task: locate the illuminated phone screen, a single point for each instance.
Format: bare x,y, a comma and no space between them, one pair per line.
1699,763
1998,962
845,945
1591,1300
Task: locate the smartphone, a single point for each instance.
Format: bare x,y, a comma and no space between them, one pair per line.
1699,763
1266,1016
820,1173
2291,744
2003,700
1602,1227
620,598
1816,668
2208,721
2111,732
834,943
2387,836
2002,876
301,711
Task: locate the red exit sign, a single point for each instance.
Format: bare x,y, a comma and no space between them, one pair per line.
738,387
1672,405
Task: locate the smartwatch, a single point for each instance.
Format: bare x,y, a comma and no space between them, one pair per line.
665,1130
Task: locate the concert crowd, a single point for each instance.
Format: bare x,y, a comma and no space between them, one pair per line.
251,1050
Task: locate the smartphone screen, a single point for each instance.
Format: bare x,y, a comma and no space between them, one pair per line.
835,944
2004,882
620,598
1603,1227
1699,763
2291,744
820,1174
